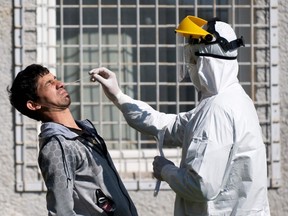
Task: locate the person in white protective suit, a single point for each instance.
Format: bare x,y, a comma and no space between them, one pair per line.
223,168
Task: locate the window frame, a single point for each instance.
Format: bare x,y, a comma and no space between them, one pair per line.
43,50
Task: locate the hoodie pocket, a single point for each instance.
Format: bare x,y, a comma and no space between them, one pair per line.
105,203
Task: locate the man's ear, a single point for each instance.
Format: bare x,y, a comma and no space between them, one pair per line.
33,105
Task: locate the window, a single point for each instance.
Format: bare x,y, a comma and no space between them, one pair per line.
136,40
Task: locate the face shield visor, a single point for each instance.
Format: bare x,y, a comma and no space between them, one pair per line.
186,58
189,34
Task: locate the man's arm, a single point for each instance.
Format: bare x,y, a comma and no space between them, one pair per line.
58,173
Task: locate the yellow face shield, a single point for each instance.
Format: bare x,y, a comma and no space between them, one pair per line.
189,35
198,37
191,27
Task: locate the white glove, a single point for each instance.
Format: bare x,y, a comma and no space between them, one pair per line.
158,164
108,81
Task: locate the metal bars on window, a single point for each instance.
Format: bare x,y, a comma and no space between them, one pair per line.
136,40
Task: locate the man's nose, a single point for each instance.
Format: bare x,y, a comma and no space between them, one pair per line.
59,84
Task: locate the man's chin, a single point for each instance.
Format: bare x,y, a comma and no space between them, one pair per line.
69,101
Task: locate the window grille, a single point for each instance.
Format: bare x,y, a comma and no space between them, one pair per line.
136,40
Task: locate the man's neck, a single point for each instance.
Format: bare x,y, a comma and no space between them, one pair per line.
64,117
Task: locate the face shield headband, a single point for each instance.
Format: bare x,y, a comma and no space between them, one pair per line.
193,40
223,43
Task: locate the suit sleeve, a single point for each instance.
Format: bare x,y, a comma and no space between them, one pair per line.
142,117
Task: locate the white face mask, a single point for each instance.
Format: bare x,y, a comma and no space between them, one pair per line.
190,60
189,53
192,70
187,59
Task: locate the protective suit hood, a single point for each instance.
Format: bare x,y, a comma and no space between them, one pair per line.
215,74
217,65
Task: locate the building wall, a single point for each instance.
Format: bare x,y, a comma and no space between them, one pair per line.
278,198
23,204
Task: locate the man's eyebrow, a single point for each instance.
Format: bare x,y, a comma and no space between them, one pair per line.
49,80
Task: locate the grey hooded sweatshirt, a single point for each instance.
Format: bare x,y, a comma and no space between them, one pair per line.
79,173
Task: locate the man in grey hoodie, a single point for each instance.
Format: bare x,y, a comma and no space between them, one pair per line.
77,169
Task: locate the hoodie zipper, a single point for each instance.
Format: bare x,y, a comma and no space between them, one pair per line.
101,142
98,145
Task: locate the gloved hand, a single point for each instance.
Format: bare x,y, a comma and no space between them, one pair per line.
158,164
108,81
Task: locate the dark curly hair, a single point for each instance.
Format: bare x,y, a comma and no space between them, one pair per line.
24,88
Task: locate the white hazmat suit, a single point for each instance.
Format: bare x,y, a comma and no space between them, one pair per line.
223,167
